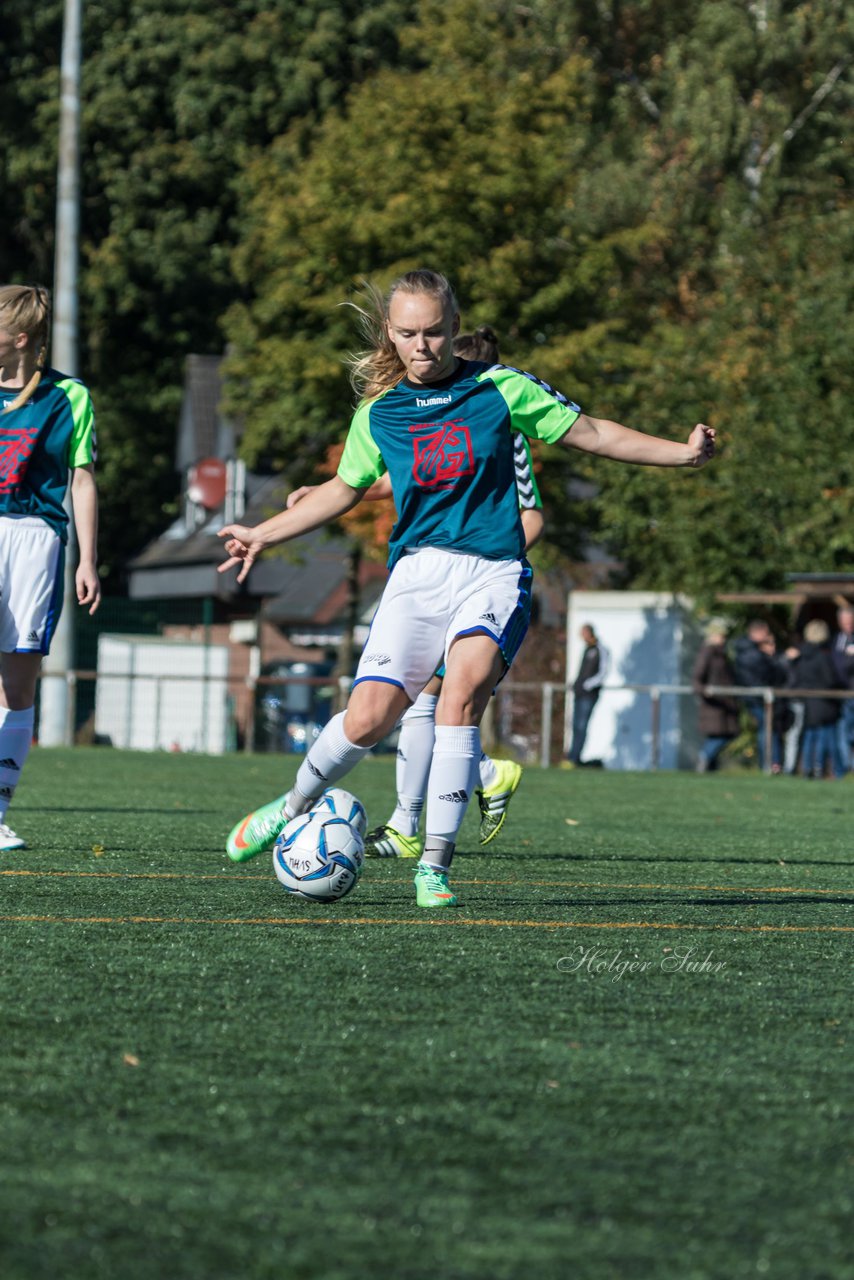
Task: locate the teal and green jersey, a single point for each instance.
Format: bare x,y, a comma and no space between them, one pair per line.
39,445
449,452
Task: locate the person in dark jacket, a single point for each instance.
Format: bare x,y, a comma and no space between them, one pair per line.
717,718
814,668
757,664
585,690
843,658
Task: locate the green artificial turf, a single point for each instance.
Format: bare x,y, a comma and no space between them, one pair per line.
624,1055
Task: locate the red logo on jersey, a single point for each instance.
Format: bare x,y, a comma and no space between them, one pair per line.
443,454
16,446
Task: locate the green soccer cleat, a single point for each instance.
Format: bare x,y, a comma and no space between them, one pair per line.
495,798
257,831
432,888
388,842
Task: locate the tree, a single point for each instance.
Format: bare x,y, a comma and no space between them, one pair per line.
175,101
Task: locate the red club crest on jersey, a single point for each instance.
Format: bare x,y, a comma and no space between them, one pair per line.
443,454
16,446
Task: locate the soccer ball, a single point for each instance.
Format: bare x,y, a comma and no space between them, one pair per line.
318,857
338,803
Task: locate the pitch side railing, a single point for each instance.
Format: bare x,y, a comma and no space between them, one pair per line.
554,699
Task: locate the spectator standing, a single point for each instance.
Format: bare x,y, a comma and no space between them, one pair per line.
843,660
718,714
585,691
814,668
756,664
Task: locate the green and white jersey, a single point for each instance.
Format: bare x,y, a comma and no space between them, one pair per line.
40,443
449,451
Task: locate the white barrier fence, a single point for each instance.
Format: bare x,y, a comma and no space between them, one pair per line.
215,713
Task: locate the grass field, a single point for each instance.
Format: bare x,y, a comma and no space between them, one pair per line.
205,1078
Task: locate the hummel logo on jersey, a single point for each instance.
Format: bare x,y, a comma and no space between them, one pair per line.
425,404
9,763
316,772
458,797
488,617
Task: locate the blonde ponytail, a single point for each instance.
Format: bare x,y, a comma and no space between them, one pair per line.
26,309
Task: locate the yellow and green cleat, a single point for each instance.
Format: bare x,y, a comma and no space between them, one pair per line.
495,798
388,842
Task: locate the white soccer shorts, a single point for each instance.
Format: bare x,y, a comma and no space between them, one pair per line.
32,563
435,596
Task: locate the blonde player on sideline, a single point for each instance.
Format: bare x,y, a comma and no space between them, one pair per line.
47,440
459,587
497,780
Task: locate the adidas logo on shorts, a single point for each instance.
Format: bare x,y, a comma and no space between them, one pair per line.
458,797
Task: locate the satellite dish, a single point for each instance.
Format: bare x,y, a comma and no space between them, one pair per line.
206,483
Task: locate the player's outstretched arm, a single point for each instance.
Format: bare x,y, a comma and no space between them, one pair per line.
244,544
612,440
379,489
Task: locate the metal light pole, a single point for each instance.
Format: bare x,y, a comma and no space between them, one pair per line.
55,728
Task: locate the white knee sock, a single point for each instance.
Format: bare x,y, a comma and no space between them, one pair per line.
331,756
449,789
414,758
16,735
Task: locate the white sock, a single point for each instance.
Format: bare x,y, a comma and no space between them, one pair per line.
487,771
331,756
414,758
16,735
450,787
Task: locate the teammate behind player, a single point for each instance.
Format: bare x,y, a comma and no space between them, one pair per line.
46,436
460,587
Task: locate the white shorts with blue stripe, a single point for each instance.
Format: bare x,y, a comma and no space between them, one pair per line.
435,596
32,564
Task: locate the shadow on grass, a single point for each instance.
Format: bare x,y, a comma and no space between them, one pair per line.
172,810
663,859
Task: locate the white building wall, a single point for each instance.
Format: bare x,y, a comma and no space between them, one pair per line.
142,703
652,639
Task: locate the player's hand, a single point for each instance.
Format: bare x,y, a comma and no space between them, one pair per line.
702,441
293,498
88,586
243,546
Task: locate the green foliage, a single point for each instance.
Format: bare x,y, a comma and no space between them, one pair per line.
767,361
176,99
603,187
631,193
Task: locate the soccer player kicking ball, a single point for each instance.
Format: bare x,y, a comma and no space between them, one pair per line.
497,780
460,588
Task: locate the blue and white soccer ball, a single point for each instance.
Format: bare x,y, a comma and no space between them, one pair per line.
318,857
342,804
